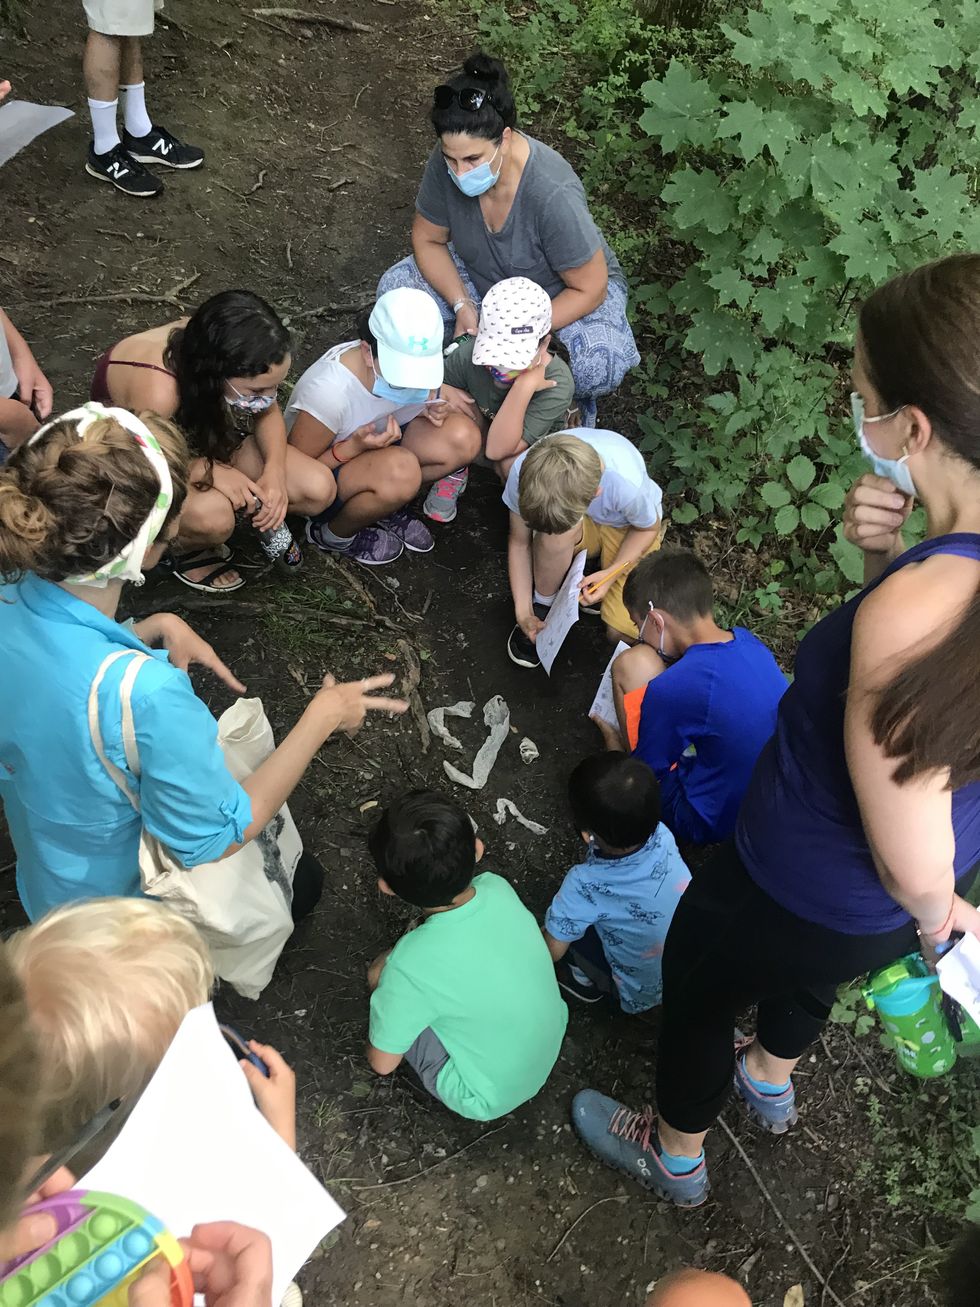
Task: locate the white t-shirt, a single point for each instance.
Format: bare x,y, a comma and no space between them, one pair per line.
627,496
330,392
8,377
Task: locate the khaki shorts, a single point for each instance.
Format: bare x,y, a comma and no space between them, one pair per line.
122,17
605,542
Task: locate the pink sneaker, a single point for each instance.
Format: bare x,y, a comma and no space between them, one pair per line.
440,502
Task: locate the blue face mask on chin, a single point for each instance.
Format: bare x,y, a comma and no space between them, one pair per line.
399,395
478,180
895,469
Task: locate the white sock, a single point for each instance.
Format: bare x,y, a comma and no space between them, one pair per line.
544,600
134,107
104,128
330,537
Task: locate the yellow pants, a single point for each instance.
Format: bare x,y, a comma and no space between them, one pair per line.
605,543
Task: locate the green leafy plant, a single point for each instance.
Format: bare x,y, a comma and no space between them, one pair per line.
836,147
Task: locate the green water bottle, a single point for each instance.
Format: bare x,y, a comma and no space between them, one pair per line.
909,1002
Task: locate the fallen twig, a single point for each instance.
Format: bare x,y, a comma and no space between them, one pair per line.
833,1271
614,1198
289,253
261,178
357,97
390,1184
301,16
821,1279
120,296
324,310
410,691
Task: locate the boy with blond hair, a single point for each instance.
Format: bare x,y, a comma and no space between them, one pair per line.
107,984
584,490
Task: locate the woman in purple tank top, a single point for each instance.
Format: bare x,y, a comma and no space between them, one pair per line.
860,830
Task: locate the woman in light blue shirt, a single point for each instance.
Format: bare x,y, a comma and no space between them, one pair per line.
87,503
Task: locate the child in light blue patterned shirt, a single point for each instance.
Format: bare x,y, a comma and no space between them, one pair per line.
611,914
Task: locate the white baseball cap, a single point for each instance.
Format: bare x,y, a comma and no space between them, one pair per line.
409,329
514,317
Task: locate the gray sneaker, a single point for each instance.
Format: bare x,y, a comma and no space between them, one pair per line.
628,1141
372,545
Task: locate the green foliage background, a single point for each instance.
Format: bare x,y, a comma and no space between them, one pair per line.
758,173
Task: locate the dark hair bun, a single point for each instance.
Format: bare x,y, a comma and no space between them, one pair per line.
482,68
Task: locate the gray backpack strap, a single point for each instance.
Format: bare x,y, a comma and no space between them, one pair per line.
130,748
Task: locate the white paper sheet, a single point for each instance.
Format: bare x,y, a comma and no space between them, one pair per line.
603,705
21,122
563,616
959,974
196,1148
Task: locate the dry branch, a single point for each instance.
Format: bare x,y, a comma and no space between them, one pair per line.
301,16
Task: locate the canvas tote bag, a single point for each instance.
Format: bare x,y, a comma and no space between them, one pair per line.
242,904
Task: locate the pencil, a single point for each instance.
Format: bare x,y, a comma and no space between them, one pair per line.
621,568
84,1136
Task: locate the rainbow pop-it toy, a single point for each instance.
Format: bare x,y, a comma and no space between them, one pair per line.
102,1243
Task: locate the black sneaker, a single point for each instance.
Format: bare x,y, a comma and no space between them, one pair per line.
158,146
121,170
585,992
521,650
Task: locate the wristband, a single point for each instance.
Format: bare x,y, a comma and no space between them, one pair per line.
336,455
459,303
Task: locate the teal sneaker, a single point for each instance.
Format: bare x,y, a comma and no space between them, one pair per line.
773,1112
628,1141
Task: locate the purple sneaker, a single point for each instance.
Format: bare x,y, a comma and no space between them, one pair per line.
413,534
372,545
440,502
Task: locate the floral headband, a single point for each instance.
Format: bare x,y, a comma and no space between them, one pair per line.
128,563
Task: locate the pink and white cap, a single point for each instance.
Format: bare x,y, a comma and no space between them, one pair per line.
514,317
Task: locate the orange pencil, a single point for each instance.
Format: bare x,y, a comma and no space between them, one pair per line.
621,568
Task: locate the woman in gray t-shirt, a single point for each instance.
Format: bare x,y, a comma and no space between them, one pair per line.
495,203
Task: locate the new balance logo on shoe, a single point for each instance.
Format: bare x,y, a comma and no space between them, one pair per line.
117,169
161,146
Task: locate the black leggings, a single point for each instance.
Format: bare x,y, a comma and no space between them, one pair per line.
731,946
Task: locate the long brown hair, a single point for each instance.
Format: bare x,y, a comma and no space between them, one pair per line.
920,340
69,505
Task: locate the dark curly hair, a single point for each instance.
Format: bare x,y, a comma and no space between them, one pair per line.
480,73
233,334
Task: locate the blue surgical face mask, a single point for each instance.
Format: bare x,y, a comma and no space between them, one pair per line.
895,469
478,180
254,404
400,395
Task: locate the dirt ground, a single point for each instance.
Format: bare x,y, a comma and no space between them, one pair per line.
315,141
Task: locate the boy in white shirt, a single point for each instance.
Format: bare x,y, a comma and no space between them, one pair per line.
370,410
569,492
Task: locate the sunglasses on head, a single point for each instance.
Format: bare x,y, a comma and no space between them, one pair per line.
469,98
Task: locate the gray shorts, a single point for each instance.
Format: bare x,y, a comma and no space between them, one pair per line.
427,1057
122,17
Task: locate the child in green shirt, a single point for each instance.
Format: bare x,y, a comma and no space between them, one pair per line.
469,998
520,390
